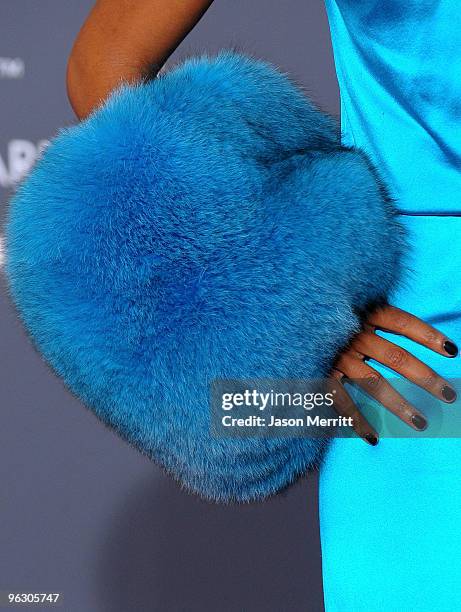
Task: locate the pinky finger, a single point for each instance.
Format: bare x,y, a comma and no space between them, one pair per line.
345,407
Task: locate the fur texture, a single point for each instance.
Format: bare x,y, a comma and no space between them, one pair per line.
206,224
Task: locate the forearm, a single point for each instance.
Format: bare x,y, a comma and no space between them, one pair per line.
121,40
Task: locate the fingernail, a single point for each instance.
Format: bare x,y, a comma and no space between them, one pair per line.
450,348
448,394
371,439
419,422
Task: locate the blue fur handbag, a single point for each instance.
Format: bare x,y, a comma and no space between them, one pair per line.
206,224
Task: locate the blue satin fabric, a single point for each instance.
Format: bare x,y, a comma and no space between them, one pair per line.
390,515
399,69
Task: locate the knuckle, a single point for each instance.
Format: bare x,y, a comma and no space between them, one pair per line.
405,409
373,380
430,381
401,321
431,336
397,357
347,364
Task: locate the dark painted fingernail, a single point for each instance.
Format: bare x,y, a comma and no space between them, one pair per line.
371,439
448,394
450,348
419,422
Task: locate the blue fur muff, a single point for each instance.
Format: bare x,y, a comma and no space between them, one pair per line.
206,224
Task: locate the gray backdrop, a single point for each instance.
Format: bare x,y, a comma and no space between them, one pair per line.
81,512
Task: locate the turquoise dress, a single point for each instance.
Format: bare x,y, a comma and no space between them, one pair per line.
391,515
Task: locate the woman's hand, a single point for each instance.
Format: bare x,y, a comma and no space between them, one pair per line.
352,364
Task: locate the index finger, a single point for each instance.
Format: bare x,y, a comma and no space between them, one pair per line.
397,321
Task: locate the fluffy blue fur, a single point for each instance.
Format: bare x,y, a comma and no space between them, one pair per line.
206,224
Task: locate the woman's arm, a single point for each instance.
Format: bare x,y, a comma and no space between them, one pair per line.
121,40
